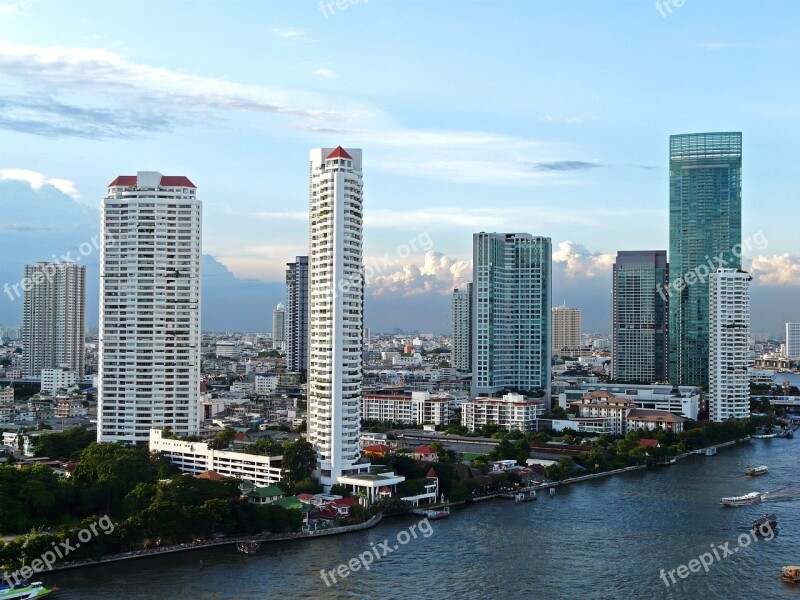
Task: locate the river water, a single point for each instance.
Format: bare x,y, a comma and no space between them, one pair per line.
606,539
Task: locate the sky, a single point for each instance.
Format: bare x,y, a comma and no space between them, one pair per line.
546,117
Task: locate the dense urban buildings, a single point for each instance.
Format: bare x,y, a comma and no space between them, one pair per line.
793,341
639,317
279,328
149,369
297,317
461,306
511,314
705,230
54,317
729,322
566,331
336,302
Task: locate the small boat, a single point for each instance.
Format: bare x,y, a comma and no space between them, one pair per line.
763,525
764,436
434,515
248,547
750,498
29,591
790,574
753,471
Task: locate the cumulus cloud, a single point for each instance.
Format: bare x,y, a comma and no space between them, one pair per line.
576,261
777,270
323,72
436,274
37,180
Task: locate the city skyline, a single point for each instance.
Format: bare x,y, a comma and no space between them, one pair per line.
548,163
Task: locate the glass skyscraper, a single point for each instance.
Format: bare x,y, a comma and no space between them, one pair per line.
511,312
705,232
639,333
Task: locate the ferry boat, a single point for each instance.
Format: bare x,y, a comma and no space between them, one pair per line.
764,436
791,574
31,590
750,498
435,515
753,471
763,524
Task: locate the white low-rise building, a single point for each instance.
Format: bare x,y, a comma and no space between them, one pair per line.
197,457
232,350
416,407
54,380
623,415
266,384
684,400
512,412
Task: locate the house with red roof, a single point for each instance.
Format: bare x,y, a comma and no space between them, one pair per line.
376,450
425,453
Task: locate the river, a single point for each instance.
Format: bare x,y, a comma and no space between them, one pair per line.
606,538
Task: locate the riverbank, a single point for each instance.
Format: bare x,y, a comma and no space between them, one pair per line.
278,537
351,528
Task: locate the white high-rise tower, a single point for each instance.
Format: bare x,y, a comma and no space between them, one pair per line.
729,344
279,328
336,300
149,368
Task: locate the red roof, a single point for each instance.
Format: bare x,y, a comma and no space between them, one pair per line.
386,490
345,502
240,436
424,450
648,443
431,473
212,475
377,448
304,497
339,153
166,181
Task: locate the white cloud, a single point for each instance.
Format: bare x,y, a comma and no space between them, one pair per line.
576,261
777,270
437,274
37,180
569,120
290,33
323,72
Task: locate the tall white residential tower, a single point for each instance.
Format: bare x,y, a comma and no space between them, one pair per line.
336,300
793,341
279,327
461,322
566,331
729,337
149,367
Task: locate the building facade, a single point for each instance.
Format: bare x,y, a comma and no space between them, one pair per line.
511,318
512,412
729,340
461,306
705,227
793,341
58,379
640,317
149,354
297,317
414,408
566,331
54,317
279,328
336,303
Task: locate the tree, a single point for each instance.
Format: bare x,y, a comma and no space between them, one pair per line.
299,461
265,447
64,444
222,440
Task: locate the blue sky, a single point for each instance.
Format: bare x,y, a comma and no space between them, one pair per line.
549,117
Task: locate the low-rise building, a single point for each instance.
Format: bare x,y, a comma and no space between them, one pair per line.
685,400
197,457
512,412
265,495
54,380
266,384
414,408
623,415
650,420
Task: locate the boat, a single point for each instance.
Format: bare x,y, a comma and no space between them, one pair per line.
790,574
31,590
764,524
753,471
764,436
248,547
750,498
711,451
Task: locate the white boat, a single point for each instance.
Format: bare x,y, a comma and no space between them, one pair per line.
764,436
750,498
753,471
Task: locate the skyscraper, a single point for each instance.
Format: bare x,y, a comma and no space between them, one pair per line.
793,341
297,317
705,233
461,322
279,327
729,319
511,319
336,301
639,314
566,331
149,369
54,319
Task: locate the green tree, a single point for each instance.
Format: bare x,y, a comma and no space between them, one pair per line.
222,440
299,461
